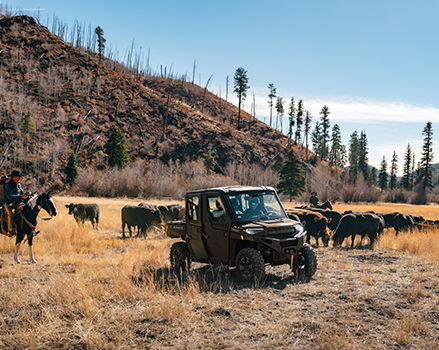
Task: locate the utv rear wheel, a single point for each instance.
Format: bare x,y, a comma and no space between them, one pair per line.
250,265
180,257
305,263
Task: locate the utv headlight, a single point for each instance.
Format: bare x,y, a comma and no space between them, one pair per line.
252,231
299,231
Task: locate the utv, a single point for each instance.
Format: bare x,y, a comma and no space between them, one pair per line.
240,226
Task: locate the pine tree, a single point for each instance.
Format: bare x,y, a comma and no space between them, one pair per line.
337,154
71,170
425,177
280,110
299,121
363,160
354,152
271,96
393,171
292,115
405,181
291,176
316,139
241,87
307,128
325,130
115,148
383,176
101,42
28,125
412,174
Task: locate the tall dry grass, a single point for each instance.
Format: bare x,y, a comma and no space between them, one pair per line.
91,289
81,291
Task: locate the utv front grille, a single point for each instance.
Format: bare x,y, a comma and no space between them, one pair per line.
281,232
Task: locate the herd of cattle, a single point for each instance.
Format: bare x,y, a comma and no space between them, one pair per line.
321,224
143,216
318,222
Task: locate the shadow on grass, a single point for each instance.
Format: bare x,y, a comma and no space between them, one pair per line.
213,279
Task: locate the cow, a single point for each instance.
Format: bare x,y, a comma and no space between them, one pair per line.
147,205
142,218
83,212
333,215
400,222
364,224
170,212
314,223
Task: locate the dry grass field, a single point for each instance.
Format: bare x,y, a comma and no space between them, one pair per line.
92,290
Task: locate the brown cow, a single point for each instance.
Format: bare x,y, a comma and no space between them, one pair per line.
314,223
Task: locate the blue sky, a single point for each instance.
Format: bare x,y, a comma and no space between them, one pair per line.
374,63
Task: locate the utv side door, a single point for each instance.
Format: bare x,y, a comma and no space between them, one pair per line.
216,225
194,229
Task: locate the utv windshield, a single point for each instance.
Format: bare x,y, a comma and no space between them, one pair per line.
256,206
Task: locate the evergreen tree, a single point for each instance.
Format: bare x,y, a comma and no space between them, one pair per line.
101,42
209,162
28,125
325,130
71,170
405,181
383,176
307,128
316,139
280,111
299,121
393,172
363,161
291,176
115,148
337,154
271,96
292,115
412,175
354,152
425,177
241,87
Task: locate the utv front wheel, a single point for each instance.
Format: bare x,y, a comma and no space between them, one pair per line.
250,265
180,256
305,263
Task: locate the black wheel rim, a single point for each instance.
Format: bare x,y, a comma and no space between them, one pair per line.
245,266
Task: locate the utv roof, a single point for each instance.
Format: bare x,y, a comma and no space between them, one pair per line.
232,189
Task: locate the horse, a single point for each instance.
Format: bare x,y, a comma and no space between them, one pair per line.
325,205
26,221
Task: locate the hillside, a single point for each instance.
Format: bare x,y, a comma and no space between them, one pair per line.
74,100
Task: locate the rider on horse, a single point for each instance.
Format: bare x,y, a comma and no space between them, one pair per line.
314,200
14,195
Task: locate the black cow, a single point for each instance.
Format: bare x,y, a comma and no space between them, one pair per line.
364,224
82,212
335,217
148,205
139,217
170,212
400,222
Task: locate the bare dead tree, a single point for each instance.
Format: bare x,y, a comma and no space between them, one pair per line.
204,93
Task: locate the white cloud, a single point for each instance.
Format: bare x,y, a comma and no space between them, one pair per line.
356,110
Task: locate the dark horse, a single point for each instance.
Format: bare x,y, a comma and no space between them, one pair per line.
325,205
26,221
